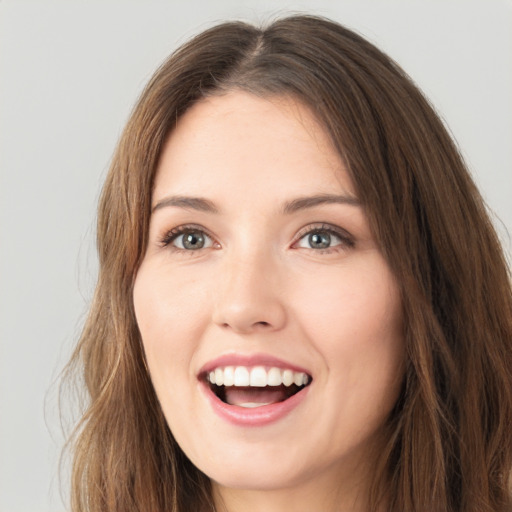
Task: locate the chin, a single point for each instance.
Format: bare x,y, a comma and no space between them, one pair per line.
258,479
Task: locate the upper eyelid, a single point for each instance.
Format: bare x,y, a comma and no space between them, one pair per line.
168,236
348,241
323,226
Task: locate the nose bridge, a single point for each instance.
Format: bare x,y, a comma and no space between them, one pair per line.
248,297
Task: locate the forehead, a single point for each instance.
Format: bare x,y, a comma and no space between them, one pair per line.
238,141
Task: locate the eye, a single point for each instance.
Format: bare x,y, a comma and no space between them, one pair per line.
192,241
319,240
323,238
187,239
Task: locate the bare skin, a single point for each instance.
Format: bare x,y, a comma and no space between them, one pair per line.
240,264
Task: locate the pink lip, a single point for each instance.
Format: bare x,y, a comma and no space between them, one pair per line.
256,417
251,417
249,360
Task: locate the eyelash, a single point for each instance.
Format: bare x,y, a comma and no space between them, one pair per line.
174,233
346,240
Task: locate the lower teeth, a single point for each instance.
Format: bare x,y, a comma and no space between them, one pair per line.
250,397
252,405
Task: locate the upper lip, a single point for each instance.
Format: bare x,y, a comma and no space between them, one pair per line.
249,360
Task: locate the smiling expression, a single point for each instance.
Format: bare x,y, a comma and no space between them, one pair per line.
270,320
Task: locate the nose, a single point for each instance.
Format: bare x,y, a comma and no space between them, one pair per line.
249,297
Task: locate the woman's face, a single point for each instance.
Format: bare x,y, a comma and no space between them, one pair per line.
261,269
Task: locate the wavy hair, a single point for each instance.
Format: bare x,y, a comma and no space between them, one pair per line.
448,441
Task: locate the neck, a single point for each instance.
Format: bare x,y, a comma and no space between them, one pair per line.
324,493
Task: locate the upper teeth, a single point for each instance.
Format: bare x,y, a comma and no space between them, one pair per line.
257,376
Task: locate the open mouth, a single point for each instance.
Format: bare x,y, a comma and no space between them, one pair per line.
257,386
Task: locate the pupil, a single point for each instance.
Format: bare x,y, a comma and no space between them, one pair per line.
193,241
319,240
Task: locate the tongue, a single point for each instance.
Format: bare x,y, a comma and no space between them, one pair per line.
254,397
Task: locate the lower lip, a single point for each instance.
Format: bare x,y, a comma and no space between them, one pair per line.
257,416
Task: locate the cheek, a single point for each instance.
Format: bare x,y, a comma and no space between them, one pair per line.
362,304
356,324
169,308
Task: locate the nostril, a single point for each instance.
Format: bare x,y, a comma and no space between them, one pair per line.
226,325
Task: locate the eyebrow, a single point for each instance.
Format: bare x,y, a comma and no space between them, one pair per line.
187,203
310,201
301,203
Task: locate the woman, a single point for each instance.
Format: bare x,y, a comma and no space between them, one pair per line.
302,303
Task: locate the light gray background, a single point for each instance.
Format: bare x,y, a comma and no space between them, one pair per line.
70,72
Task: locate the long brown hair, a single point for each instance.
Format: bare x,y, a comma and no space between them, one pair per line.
448,440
